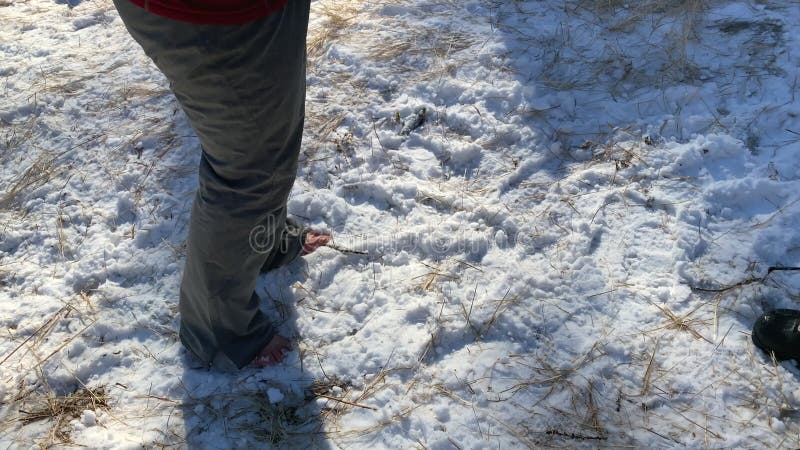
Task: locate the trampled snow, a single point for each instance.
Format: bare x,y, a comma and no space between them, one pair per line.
554,226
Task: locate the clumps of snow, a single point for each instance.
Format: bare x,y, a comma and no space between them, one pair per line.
88,418
566,247
275,395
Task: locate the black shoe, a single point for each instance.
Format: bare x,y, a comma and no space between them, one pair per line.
778,332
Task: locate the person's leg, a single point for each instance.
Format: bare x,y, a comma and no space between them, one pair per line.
243,90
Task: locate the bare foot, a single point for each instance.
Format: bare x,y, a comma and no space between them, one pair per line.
315,240
274,352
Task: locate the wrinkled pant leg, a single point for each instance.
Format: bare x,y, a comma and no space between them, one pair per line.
243,90
289,244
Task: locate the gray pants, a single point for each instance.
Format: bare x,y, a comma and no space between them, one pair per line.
243,90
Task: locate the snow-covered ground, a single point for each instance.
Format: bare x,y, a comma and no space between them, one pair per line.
569,251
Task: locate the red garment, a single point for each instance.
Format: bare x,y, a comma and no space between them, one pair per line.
212,12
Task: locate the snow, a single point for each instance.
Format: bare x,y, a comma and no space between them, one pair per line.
274,395
569,250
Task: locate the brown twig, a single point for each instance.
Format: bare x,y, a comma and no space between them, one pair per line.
346,250
745,282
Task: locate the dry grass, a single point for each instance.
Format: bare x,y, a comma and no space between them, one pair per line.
629,13
246,414
421,41
668,30
61,409
39,335
683,322
141,91
320,127
276,422
42,170
394,419
421,51
14,134
337,16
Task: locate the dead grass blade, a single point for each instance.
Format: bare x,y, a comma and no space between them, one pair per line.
37,333
649,371
63,409
38,174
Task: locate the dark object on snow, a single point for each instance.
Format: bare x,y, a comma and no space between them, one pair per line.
778,332
414,121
